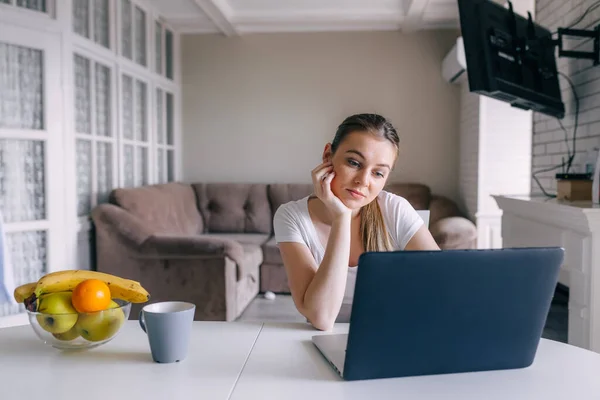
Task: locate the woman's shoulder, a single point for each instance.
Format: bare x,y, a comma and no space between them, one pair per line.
293,208
392,201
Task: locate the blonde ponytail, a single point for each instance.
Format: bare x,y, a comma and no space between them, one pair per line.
374,234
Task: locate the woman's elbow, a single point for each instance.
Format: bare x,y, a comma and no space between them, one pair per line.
322,322
322,325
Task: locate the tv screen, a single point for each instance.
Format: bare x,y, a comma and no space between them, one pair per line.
510,58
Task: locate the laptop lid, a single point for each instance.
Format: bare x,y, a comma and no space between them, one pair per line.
434,312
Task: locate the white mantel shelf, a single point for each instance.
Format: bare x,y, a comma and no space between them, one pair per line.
575,226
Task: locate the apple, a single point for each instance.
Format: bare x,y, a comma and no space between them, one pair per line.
100,325
56,313
68,335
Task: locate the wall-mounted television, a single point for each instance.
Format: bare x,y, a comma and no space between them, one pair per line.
510,57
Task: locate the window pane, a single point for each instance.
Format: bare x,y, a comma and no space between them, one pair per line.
126,32
142,166
103,101
140,36
5,1
28,251
158,34
84,177
81,21
127,107
83,106
170,165
169,53
162,175
101,23
28,255
128,166
160,128
36,5
22,180
21,89
105,168
169,119
141,130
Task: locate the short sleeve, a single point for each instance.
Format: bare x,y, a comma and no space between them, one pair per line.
405,218
286,227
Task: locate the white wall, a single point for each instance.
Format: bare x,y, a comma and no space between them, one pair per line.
505,152
469,150
260,108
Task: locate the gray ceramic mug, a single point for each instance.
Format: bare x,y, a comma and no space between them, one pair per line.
168,326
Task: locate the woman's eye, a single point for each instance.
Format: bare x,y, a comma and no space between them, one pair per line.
379,174
353,163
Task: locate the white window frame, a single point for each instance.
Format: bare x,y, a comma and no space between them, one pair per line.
54,180
64,250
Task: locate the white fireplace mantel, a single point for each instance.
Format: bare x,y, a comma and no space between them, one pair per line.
575,226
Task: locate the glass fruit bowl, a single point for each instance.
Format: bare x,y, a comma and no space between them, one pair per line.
80,330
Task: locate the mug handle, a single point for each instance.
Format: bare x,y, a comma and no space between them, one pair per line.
142,321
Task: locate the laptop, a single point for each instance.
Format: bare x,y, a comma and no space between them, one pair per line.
439,312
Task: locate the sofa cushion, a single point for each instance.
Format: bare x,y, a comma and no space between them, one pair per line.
271,252
256,239
281,193
234,207
166,208
417,194
250,244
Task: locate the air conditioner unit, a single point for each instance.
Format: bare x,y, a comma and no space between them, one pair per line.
454,66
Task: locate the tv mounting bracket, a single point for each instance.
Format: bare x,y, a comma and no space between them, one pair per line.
594,34
593,55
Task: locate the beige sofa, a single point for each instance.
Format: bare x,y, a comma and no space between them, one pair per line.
212,244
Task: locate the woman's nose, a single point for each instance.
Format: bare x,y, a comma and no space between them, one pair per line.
361,178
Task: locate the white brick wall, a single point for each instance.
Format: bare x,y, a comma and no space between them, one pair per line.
469,150
504,152
548,142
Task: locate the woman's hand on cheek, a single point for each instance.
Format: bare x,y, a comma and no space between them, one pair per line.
322,176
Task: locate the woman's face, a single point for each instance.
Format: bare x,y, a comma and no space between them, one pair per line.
362,164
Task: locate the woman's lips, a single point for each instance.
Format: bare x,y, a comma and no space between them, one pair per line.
355,194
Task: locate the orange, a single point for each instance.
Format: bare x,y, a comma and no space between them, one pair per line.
91,295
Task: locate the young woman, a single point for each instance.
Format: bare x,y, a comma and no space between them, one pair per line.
322,235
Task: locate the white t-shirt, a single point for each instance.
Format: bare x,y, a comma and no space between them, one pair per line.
292,223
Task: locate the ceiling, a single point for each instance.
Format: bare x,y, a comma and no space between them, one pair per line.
239,17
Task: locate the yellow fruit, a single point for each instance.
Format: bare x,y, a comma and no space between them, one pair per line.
120,288
56,313
100,325
68,335
24,291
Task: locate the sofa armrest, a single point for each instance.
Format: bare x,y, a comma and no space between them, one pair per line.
442,207
181,246
130,227
454,233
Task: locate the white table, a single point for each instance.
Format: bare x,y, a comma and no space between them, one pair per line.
241,360
123,368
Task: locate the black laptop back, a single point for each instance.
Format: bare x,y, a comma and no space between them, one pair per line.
422,313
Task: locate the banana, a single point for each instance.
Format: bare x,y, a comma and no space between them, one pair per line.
67,280
24,291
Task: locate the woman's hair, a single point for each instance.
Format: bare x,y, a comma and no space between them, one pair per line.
373,231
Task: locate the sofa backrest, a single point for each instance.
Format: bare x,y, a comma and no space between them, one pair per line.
166,208
234,207
281,193
417,194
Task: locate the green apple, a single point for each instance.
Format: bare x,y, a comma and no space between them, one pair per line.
56,313
100,325
68,335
